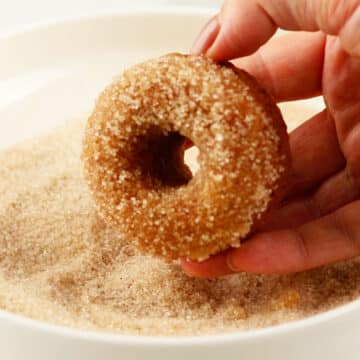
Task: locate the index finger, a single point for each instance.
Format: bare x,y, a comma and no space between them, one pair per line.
327,240
245,25
289,67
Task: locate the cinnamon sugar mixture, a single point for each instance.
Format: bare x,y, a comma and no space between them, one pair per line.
60,263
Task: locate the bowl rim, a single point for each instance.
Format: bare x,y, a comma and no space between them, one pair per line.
150,340
239,337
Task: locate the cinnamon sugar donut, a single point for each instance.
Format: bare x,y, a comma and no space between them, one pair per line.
133,155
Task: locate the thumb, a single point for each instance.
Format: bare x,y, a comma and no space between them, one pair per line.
232,33
244,25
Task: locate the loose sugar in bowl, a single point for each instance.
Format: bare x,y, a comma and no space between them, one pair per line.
60,263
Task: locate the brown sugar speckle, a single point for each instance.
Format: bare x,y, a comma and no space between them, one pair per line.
287,300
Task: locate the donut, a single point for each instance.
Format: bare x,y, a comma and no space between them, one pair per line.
133,153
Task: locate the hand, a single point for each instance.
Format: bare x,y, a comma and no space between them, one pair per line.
319,221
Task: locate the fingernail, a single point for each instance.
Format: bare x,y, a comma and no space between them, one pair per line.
188,268
206,37
230,263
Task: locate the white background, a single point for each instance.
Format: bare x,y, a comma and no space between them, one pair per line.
18,13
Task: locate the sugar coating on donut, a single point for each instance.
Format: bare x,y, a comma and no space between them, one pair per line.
133,155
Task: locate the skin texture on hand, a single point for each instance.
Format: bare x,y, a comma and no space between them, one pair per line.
319,221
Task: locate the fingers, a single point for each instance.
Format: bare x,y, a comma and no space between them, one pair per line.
320,181
315,153
288,67
342,92
242,29
245,25
327,240
207,36
214,267
339,190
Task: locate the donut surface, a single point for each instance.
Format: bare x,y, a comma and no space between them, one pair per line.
133,154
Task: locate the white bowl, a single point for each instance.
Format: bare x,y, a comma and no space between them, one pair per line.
64,65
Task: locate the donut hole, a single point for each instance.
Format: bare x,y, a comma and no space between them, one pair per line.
161,159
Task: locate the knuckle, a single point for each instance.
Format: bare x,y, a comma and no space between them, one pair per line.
351,146
333,15
339,220
352,176
301,243
305,10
